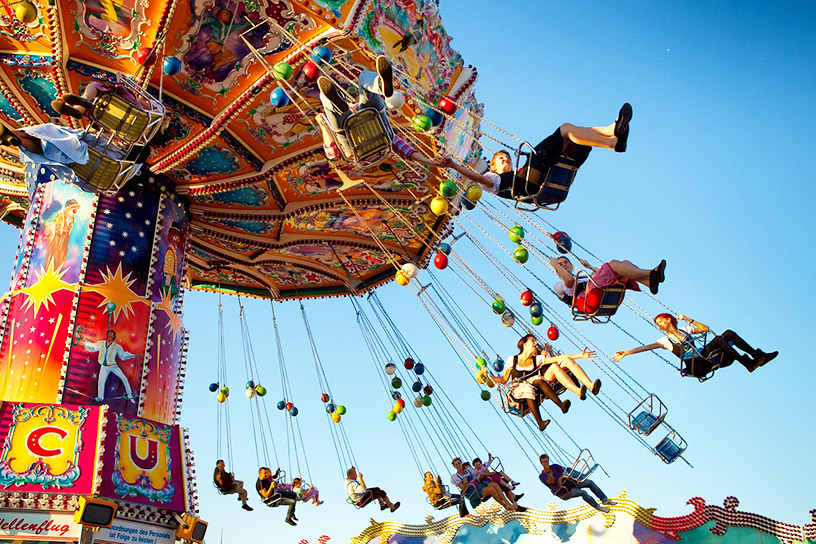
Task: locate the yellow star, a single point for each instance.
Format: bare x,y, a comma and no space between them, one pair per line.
175,323
39,294
115,289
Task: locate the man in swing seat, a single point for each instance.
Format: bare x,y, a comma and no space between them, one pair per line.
376,91
564,488
568,140
273,495
361,495
227,484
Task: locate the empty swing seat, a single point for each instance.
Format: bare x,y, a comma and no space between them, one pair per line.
643,423
369,135
671,447
556,185
651,412
130,112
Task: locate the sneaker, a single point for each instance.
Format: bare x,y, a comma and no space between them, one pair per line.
386,78
604,509
565,406
610,502
290,522
395,506
329,90
246,507
318,503
515,483
596,387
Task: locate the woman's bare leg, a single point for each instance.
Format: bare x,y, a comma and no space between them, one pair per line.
625,269
558,373
591,136
27,141
577,371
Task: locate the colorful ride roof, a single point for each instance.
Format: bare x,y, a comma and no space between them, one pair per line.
266,216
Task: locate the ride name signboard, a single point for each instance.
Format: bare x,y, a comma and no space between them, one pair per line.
38,525
130,532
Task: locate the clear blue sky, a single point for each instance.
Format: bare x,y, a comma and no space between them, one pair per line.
718,180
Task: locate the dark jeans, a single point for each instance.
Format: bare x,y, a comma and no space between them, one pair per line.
283,498
576,490
372,493
450,500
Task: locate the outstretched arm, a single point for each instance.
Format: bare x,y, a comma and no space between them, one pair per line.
640,349
696,325
469,173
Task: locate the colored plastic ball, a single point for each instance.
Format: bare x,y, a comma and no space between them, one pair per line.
260,390
225,390
521,255
397,408
250,384
26,12
336,417
401,402
508,319
221,397
281,405
467,204
444,248
392,415
171,66
498,306
146,57
321,54
408,364
283,70
439,206
481,376
289,406
278,98
310,71
330,408
396,383
419,369
516,234
421,123
435,117
552,333
395,102
473,192
498,365
341,409
485,395
536,310
250,392
390,369
527,298
396,395
537,320
448,188
416,387
324,397
480,363
441,261
293,411
426,400
418,402
428,390
410,270
213,387
563,243
401,278
446,105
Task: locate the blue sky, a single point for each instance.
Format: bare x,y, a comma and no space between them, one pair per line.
718,180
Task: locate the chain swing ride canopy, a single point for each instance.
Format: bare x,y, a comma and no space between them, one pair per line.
266,218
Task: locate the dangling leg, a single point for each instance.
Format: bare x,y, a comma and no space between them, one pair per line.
555,371
579,373
648,278
533,406
590,136
19,138
545,388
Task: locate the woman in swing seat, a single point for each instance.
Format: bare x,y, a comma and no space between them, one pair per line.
678,340
568,140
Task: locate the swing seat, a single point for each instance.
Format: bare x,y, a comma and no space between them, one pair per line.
273,500
671,447
693,364
556,185
599,304
128,111
353,503
106,169
368,137
650,414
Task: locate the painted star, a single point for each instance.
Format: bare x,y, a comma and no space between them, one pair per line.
115,288
40,294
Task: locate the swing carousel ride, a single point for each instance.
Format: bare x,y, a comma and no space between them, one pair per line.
207,171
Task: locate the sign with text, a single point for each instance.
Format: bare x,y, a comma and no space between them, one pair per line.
132,532
38,525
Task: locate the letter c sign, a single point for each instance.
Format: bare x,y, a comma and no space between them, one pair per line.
35,437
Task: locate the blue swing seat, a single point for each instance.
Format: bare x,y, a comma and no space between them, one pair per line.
643,420
556,185
671,447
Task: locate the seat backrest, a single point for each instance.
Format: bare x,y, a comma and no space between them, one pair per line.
612,299
369,135
556,184
668,450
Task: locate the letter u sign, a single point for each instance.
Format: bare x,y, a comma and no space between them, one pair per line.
34,441
148,462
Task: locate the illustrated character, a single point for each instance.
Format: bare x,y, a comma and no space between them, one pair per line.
169,283
108,352
57,230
